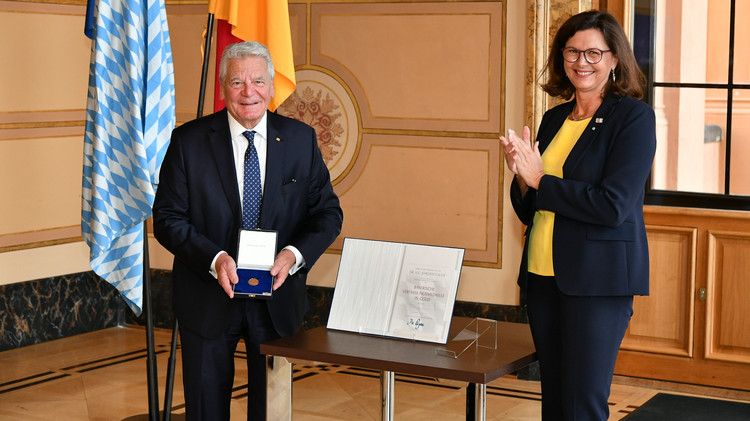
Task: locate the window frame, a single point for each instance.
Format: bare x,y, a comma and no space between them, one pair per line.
676,198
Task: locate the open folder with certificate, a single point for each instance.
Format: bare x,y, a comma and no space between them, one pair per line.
396,289
256,252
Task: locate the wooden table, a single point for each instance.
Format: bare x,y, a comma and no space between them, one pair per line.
477,365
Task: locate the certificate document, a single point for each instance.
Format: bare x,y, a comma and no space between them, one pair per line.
396,289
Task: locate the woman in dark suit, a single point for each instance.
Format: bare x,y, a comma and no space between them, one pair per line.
579,189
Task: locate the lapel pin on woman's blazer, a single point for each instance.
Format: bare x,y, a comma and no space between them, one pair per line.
598,120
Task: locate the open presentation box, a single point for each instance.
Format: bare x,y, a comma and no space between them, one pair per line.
255,257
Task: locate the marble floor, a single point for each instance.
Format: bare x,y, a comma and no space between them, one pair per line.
102,376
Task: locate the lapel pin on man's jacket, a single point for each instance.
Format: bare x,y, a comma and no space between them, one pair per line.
278,140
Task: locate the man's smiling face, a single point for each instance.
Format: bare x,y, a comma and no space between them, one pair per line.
247,89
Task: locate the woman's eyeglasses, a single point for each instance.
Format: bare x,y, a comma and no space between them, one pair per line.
592,55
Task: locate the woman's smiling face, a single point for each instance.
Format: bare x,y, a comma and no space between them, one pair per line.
587,77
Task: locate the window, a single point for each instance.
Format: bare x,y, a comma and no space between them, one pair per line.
696,56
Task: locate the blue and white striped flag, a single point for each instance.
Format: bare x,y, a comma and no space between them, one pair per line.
129,119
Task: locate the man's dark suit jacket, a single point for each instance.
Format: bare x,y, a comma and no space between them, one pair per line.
599,237
197,214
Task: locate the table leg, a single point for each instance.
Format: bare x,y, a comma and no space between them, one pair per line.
279,372
387,380
471,410
480,401
476,402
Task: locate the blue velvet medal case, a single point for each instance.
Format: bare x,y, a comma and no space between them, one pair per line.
255,255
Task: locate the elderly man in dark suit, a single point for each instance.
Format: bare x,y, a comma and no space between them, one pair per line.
216,170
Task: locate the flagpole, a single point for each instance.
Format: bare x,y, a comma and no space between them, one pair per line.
153,393
206,55
169,387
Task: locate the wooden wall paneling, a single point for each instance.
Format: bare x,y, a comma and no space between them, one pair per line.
298,23
418,161
428,190
43,83
721,323
403,60
663,321
727,297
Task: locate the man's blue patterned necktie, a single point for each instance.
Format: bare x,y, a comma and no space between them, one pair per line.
251,191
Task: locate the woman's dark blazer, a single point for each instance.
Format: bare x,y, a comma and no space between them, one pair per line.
599,245
197,214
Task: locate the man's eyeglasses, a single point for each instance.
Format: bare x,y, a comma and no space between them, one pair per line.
592,55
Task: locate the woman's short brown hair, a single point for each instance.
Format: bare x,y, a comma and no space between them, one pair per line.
630,81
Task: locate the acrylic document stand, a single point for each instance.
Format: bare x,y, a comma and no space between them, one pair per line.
478,332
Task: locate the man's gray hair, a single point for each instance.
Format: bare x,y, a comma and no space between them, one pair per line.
243,50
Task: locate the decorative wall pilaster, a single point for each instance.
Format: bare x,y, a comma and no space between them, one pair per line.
544,17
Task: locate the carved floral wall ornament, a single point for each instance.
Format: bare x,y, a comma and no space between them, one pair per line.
309,106
325,103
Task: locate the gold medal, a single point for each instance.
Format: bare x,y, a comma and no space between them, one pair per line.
253,281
